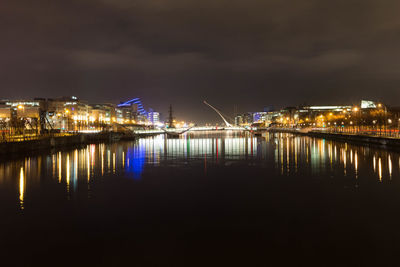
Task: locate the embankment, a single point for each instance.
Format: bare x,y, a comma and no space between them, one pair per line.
9,149
353,138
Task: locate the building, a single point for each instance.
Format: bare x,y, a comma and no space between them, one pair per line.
153,117
71,114
131,111
238,120
244,119
103,114
259,117
5,111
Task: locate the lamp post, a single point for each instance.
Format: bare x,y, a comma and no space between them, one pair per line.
385,110
380,119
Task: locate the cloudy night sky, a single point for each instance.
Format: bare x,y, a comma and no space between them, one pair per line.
251,54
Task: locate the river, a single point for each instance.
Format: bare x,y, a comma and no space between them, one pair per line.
205,199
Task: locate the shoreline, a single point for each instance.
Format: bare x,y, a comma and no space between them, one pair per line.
386,142
47,144
10,150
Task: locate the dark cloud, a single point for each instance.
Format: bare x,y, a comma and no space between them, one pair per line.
251,53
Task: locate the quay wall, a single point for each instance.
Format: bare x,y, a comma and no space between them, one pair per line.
354,138
51,142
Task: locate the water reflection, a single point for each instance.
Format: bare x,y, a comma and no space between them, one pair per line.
283,154
21,188
356,164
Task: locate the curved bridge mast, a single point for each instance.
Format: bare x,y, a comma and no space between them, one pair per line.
219,113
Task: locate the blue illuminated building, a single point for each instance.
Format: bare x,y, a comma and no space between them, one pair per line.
259,116
135,101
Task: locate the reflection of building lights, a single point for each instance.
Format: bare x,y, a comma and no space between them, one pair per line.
68,173
21,187
147,152
88,164
59,167
75,168
102,160
356,162
114,163
374,163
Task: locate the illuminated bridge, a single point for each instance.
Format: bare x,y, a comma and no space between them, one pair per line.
178,131
187,129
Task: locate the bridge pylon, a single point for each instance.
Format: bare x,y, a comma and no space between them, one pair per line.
219,113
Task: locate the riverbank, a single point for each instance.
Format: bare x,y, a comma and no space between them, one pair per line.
346,137
43,143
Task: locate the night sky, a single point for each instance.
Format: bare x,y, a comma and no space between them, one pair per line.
248,53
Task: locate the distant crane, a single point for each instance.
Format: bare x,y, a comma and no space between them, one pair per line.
170,118
219,113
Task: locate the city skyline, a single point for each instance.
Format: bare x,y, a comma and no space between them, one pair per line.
75,114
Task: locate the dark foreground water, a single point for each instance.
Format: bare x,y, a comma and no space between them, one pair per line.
203,200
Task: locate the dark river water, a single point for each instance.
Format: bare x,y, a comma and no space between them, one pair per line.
203,200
